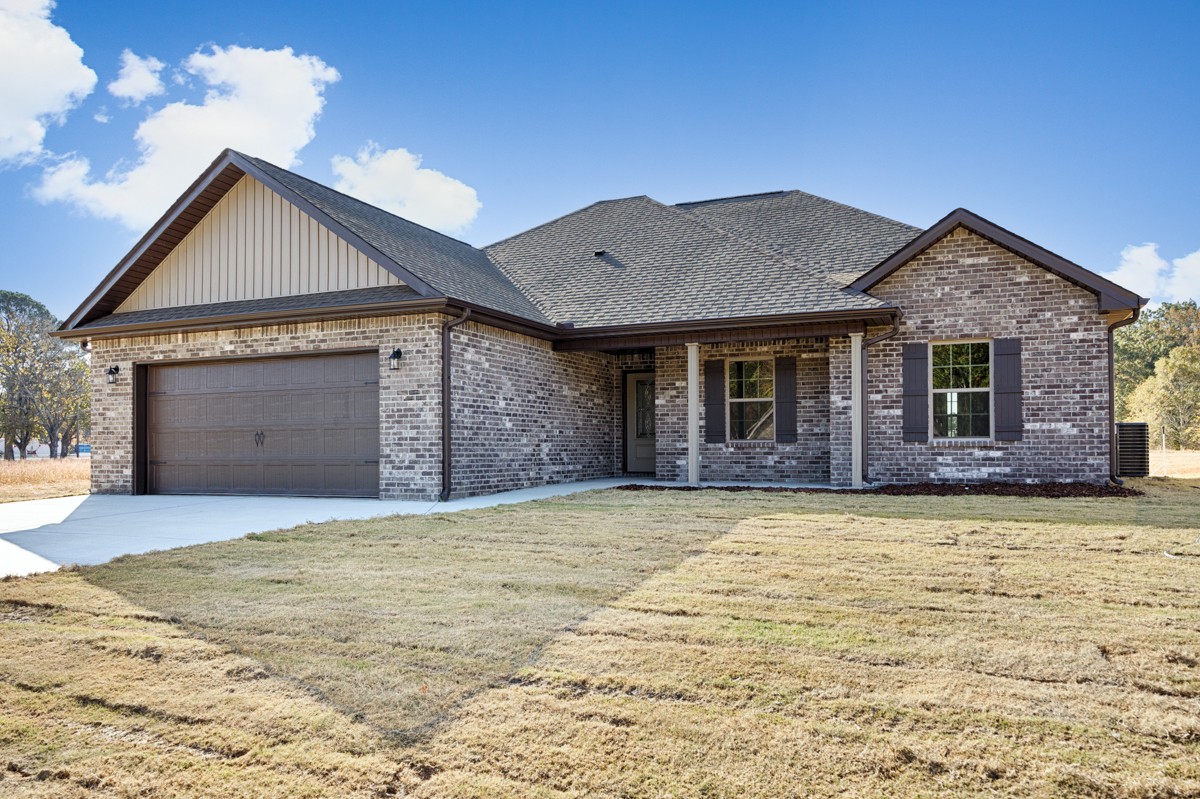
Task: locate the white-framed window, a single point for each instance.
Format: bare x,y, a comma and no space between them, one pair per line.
960,383
750,391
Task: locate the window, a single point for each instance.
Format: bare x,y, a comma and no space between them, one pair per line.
752,400
962,389
643,408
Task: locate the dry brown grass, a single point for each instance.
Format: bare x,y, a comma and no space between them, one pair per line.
44,478
1176,463
631,644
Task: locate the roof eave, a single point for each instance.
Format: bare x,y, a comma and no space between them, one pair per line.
1109,295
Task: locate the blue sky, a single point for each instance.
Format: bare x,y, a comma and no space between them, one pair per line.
1075,125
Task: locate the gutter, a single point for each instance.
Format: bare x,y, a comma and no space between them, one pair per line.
1112,398
896,320
447,326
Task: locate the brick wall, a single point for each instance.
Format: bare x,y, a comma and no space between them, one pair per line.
967,287
527,415
807,460
409,423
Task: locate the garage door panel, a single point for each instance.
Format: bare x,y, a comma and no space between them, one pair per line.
297,425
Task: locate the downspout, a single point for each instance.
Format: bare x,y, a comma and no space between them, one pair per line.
1112,398
899,317
447,326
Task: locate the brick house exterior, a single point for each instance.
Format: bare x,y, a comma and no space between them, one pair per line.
777,337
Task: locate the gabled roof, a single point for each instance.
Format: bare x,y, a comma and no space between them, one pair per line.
624,263
1110,296
637,261
431,264
826,236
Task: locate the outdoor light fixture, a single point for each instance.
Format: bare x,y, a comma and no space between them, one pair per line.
112,373
394,359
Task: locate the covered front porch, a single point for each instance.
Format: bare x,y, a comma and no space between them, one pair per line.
764,405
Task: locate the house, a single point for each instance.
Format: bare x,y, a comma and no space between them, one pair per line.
270,335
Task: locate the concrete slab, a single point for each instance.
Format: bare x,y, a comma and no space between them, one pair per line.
43,534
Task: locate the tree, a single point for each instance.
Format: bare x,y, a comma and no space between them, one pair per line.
26,356
1170,398
1137,347
62,399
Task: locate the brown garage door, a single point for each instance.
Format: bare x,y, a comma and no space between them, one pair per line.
307,426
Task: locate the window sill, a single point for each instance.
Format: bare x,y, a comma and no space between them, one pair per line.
750,444
963,442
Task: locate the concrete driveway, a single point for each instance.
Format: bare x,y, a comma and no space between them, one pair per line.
44,534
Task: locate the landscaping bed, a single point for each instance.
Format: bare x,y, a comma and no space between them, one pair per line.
993,489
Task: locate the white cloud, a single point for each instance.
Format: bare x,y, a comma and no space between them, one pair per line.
1184,281
262,102
395,181
31,45
138,78
102,116
1144,270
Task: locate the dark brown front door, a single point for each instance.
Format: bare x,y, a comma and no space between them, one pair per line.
306,426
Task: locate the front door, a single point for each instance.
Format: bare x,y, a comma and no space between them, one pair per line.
639,422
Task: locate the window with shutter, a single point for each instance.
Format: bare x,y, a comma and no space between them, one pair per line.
961,386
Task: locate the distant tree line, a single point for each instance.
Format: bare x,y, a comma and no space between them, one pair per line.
1157,371
45,388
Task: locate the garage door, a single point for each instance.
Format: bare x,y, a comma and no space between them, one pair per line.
305,426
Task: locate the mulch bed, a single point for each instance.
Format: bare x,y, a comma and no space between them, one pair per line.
1038,490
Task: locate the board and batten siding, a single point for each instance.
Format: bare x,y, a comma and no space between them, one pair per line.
255,244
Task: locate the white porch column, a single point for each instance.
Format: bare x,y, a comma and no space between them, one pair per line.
856,409
693,407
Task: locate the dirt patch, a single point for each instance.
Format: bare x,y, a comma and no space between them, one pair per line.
1039,490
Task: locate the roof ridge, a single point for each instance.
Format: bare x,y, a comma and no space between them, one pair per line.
561,217
785,192
732,197
262,161
778,256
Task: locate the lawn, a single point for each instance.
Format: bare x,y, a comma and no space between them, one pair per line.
44,478
1174,462
629,644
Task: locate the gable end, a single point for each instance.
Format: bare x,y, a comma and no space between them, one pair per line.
1109,296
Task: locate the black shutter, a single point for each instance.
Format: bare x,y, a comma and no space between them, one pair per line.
714,402
1006,388
785,400
916,392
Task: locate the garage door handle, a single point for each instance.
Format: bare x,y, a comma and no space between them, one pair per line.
259,438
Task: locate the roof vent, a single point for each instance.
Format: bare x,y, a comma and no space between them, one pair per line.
599,253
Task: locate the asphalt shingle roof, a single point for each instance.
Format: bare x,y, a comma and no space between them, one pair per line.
452,267
828,237
661,263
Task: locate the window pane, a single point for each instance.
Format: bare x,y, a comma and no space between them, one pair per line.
644,410
752,421
965,414
979,353
979,377
751,379
962,354
941,376
941,355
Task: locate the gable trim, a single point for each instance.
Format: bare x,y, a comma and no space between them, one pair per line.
183,216
1109,295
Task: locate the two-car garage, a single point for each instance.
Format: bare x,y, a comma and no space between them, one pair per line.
304,426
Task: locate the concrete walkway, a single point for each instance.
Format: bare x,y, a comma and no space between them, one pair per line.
44,534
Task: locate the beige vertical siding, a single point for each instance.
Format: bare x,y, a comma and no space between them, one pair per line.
255,244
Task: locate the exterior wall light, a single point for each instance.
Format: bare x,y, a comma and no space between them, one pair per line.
112,373
394,359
